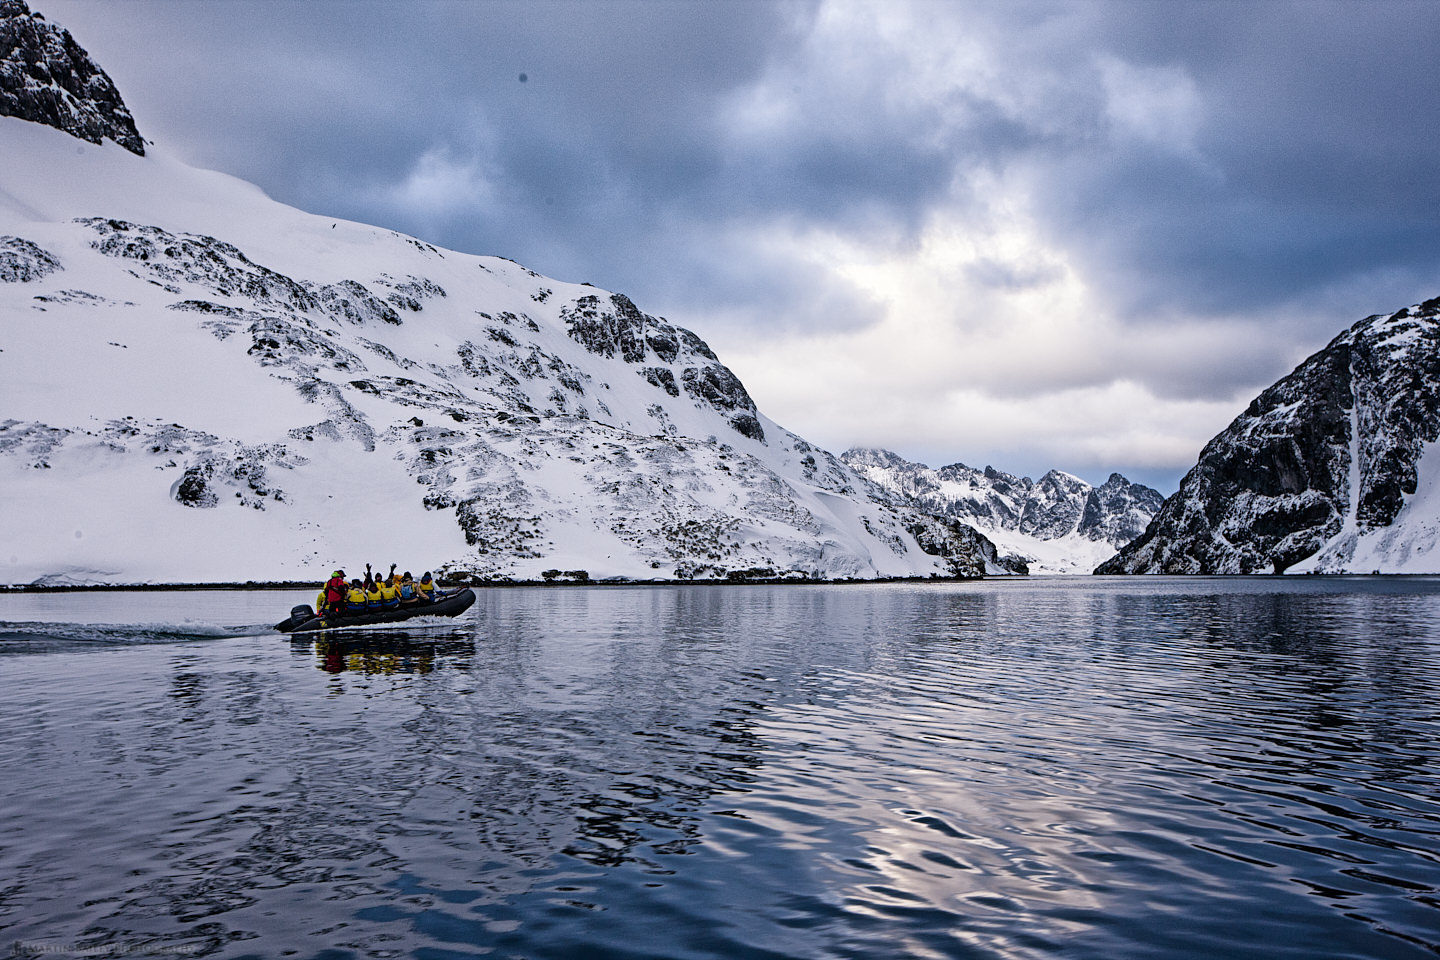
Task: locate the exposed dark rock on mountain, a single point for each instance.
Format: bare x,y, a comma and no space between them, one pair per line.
621,330
604,332
46,77
22,261
965,548
662,378
1118,511
1319,468
1053,505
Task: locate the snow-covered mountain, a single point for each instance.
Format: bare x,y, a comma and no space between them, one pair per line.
1057,524
201,384
1333,469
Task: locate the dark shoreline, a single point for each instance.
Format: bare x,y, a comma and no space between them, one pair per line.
739,582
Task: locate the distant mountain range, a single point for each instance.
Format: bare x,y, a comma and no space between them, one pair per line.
1057,524
204,385
1333,469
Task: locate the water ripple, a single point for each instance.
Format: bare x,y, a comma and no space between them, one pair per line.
1076,769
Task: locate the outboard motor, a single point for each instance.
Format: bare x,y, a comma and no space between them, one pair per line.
298,615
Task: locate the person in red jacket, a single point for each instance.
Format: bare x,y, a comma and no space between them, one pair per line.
335,589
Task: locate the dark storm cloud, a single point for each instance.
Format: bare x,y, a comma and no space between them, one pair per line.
1309,165
608,163
1315,128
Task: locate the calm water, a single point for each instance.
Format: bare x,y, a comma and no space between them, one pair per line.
1050,768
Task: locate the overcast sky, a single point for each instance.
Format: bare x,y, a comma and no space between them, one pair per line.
1079,235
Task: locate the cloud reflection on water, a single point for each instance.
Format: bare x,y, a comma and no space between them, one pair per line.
1093,767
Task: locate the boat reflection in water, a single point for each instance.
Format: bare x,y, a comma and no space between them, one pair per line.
387,652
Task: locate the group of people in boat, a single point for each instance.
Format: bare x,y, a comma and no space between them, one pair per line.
373,594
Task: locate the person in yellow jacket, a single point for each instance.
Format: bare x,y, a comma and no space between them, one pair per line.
372,597
389,594
408,593
355,597
425,587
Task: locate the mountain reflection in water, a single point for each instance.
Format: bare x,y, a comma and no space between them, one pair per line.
1082,768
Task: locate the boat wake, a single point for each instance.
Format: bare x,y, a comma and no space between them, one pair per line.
37,636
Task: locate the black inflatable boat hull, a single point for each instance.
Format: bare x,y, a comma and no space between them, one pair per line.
304,620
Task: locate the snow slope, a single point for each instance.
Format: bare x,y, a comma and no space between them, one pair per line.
1408,545
200,384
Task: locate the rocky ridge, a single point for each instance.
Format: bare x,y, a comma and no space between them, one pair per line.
1329,470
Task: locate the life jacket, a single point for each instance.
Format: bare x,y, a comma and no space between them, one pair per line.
372,598
425,587
389,596
355,599
407,589
320,601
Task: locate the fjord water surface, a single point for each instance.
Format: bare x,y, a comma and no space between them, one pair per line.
1086,768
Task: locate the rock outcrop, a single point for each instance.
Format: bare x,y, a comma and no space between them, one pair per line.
46,77
22,261
1328,470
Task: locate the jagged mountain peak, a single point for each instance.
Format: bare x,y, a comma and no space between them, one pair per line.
46,77
1062,478
877,457
1333,468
